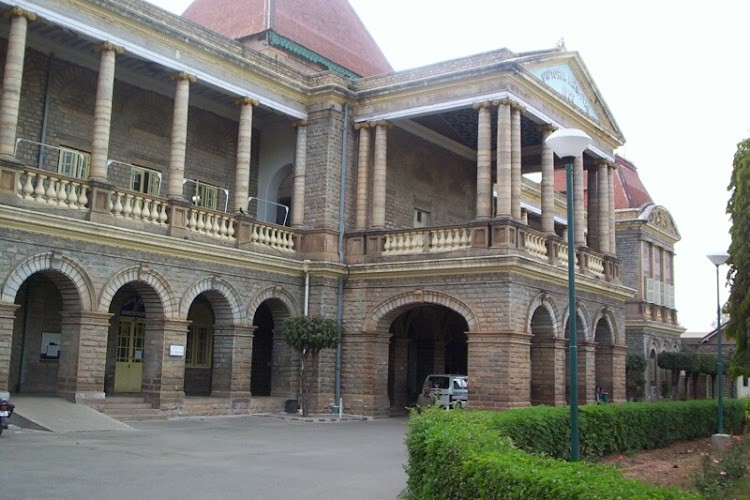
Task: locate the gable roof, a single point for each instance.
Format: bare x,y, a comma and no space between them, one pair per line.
329,28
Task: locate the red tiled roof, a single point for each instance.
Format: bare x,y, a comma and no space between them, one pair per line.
330,28
629,190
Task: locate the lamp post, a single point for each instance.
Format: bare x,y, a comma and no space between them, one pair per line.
718,259
567,144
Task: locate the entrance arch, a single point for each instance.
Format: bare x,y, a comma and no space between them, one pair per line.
604,338
547,356
582,335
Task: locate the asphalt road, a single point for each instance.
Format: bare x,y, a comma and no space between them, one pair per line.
219,457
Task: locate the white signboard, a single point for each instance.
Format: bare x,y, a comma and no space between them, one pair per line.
177,350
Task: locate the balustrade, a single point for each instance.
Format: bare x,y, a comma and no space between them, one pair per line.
536,245
273,236
596,265
452,238
211,223
52,189
138,207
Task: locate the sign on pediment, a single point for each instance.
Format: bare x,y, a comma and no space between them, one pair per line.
663,220
561,78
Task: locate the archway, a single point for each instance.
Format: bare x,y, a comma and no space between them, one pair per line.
275,366
653,375
580,337
425,339
199,348
604,369
546,358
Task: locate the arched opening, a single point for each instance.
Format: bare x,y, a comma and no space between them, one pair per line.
40,333
199,347
603,359
275,366
131,361
653,371
428,339
545,357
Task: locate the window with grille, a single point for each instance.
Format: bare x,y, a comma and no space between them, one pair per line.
422,218
145,180
73,162
199,347
206,195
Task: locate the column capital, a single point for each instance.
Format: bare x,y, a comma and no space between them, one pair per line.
19,12
546,128
181,75
480,105
502,102
109,47
243,101
514,106
300,123
612,165
382,123
362,125
602,163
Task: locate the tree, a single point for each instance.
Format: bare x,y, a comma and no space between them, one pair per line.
635,366
308,335
738,276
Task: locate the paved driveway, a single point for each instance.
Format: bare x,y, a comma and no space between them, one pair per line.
219,457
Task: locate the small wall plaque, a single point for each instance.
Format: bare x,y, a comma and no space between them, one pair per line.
177,350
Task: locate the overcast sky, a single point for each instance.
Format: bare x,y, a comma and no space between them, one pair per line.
673,73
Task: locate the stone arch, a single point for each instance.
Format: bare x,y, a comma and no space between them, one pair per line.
581,312
75,87
605,316
145,274
388,310
281,295
81,294
231,313
545,301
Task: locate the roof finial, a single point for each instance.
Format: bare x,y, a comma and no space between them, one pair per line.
560,44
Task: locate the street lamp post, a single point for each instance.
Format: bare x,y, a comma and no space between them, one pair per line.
718,259
567,144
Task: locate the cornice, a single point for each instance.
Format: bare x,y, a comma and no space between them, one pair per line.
654,326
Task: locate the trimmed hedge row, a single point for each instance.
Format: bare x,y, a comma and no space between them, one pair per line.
475,454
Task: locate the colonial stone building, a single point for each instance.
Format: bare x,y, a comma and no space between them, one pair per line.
172,188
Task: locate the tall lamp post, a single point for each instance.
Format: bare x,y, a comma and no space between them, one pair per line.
718,259
567,144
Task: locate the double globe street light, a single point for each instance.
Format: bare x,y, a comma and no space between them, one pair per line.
568,144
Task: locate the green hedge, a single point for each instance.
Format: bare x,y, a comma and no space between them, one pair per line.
476,454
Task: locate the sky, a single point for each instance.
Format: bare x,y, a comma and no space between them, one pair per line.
674,74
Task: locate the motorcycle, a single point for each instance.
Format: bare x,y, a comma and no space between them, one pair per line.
6,410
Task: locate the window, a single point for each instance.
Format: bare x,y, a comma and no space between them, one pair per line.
422,218
198,350
73,162
145,180
206,195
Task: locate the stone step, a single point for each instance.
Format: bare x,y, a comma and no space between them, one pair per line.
134,414
114,405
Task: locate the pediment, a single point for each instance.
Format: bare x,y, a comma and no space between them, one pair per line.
660,218
566,76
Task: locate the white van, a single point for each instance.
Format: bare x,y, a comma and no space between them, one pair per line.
452,391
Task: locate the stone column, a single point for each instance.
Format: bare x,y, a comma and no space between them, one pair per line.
617,394
7,318
515,161
179,135
611,200
484,161
592,207
300,159
12,78
499,370
400,374
378,181
163,380
548,182
603,203
244,147
578,212
365,380
363,166
504,158
103,111
83,356
285,368
586,372
232,360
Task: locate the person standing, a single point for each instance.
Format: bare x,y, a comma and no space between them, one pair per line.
426,397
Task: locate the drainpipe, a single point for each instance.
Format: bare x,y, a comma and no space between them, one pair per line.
306,269
340,292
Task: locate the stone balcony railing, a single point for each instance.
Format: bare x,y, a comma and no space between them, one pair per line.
501,236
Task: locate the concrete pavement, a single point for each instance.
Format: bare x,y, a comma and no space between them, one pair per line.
216,457
58,415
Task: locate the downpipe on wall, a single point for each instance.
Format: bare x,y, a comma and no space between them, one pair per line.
340,292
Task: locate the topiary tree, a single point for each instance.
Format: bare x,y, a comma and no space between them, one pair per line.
738,304
693,371
635,367
308,335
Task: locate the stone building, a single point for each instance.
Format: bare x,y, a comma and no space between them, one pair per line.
172,188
